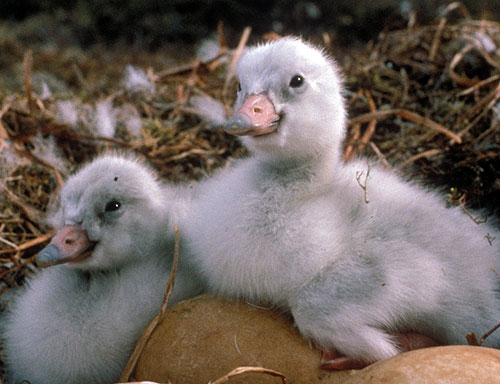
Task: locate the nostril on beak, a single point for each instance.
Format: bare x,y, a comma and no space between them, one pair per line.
69,241
257,110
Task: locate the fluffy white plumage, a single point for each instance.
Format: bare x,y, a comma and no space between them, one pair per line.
290,225
105,119
137,80
211,110
78,322
67,113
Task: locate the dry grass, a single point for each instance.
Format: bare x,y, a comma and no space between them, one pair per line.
173,138
427,99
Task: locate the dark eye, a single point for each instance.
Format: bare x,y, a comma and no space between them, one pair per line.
112,206
239,87
297,81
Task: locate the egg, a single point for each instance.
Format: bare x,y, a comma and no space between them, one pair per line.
204,338
457,364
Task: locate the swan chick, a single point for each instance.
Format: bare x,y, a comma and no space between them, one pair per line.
77,320
291,226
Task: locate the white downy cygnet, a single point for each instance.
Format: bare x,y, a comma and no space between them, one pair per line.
78,322
292,225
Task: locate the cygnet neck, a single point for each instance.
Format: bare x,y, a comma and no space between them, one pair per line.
319,167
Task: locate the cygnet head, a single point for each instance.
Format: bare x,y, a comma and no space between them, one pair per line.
289,102
110,212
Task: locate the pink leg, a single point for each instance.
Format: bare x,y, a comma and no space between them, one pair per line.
332,360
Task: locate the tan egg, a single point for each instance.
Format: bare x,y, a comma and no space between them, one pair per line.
457,364
204,338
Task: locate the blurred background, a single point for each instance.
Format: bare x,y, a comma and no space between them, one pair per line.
152,23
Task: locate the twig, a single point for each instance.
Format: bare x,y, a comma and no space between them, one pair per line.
30,243
349,151
457,5
28,67
183,68
32,213
36,159
101,138
461,202
241,370
495,96
437,39
223,47
483,24
38,240
236,345
220,36
489,333
194,151
134,358
5,107
370,130
462,80
408,115
9,243
482,51
380,155
473,340
490,239
355,98
481,84
258,306
363,186
237,53
327,41
479,106
429,153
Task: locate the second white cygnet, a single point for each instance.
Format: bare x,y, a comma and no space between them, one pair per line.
77,321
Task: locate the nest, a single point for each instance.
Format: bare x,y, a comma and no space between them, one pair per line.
40,144
424,100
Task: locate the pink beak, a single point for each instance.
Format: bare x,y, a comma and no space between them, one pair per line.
70,243
256,117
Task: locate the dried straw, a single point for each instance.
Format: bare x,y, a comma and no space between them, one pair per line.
241,370
141,343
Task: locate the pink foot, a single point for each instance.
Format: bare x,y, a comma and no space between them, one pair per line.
332,360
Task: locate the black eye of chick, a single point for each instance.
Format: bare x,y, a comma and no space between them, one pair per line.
297,81
239,87
112,206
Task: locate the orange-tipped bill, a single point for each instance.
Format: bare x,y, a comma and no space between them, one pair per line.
70,243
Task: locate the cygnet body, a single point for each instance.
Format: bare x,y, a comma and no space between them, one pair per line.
78,322
356,254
